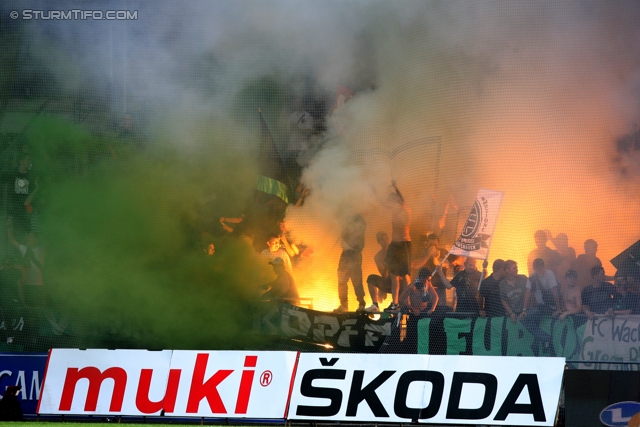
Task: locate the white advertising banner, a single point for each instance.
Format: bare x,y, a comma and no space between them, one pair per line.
358,387
499,390
233,384
124,382
229,384
488,390
432,389
477,232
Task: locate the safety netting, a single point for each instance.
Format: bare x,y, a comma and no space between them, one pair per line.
275,175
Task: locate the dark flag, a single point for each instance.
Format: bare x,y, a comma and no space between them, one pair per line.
270,196
628,261
272,177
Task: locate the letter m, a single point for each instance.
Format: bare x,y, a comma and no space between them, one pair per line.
95,378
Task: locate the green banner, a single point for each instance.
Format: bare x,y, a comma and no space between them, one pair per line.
497,336
272,186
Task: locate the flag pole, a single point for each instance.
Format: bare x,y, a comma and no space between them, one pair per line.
441,262
482,271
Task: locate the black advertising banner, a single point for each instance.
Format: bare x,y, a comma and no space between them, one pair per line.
596,398
347,332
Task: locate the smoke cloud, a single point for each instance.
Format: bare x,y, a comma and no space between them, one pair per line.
526,98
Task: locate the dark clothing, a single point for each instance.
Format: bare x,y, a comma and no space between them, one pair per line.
353,233
283,287
398,258
382,283
419,304
543,288
600,299
467,301
10,409
490,291
19,186
532,323
350,267
514,294
628,301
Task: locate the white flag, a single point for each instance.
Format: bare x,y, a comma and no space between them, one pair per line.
476,235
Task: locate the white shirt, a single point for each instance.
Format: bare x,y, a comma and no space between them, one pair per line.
547,282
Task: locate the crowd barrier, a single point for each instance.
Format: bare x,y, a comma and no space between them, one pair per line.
600,343
303,386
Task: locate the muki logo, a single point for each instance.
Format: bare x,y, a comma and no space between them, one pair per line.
621,414
201,387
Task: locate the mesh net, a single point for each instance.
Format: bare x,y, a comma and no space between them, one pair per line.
149,154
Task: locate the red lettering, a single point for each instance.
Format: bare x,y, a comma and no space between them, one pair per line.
200,389
168,403
250,361
245,385
95,377
265,378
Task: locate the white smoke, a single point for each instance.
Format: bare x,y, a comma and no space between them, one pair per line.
523,97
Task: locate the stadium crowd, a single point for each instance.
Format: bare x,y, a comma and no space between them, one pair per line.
558,282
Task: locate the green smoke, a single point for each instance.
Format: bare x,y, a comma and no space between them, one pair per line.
124,231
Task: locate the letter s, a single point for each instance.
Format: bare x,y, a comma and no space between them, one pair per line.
333,394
